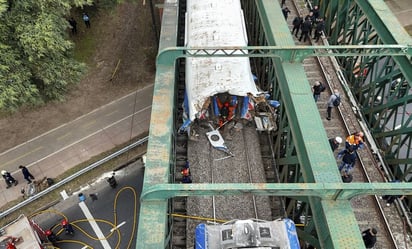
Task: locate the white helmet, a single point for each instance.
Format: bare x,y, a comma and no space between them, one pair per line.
338,140
3,172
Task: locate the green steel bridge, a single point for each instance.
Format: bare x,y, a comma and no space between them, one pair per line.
364,36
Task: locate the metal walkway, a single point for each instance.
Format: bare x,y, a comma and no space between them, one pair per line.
373,52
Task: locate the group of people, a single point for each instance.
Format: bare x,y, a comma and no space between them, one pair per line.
10,180
347,156
73,23
312,21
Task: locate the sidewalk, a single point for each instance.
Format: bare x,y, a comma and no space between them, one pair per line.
68,145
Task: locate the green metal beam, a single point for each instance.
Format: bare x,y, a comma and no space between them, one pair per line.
389,30
316,161
325,191
286,53
153,229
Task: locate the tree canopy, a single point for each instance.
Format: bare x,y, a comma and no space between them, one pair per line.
36,63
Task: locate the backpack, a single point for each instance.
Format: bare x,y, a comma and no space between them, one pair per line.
336,102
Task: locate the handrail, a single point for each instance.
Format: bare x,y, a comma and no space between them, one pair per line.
72,177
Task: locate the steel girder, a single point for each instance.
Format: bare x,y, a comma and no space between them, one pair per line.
297,140
381,85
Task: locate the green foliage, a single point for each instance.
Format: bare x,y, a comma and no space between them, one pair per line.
36,63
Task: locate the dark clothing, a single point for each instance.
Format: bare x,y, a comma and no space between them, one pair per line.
26,173
224,112
319,29
68,228
348,162
315,11
297,23
306,26
317,89
368,238
285,12
283,3
9,179
73,24
333,145
86,20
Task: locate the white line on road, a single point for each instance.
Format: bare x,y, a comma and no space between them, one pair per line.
94,225
114,228
84,138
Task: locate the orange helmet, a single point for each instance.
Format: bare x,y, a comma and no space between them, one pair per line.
64,222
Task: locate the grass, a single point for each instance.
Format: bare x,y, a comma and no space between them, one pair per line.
53,197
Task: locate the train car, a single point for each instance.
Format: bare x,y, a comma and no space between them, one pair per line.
279,234
215,24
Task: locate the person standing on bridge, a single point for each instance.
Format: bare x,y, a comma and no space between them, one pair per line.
297,24
306,28
369,237
26,173
334,143
332,102
317,89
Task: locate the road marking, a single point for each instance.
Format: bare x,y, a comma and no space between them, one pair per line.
65,135
77,119
64,195
94,225
111,113
25,154
114,228
86,137
88,124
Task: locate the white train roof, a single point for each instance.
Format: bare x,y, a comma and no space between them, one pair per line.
216,23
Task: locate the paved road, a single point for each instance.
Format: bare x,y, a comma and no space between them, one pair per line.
68,145
402,10
117,207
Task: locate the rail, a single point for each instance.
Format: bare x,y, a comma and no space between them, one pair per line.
72,177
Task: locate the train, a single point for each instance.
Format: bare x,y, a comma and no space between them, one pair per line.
280,233
213,83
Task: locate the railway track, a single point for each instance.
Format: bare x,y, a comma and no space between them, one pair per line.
212,166
369,210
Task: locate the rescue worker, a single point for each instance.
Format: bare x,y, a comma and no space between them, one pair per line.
51,237
186,173
9,178
68,228
354,141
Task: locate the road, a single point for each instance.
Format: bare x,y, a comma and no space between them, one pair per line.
70,144
113,217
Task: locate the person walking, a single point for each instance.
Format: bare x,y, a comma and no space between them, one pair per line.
285,12
26,173
73,24
86,19
8,178
306,27
334,143
348,162
317,89
320,27
369,237
297,23
334,101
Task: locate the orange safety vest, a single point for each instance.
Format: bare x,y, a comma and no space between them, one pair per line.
354,140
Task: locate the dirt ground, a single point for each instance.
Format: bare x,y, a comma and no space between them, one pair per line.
125,37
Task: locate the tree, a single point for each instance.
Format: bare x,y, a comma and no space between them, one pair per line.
36,63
